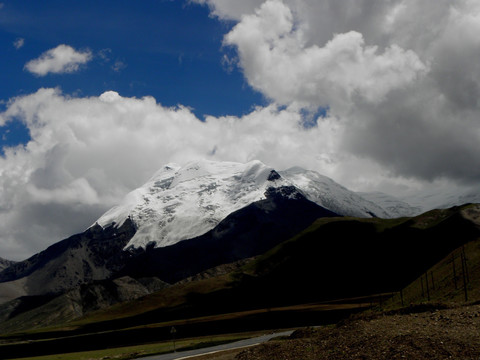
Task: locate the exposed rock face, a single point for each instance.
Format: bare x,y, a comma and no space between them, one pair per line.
93,255
30,312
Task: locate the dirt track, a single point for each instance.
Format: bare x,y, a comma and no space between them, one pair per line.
433,334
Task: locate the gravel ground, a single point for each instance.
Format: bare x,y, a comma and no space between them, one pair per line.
435,334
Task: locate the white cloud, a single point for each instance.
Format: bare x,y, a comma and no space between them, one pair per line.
62,59
18,43
276,61
402,76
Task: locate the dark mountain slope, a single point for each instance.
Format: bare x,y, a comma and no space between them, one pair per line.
4,263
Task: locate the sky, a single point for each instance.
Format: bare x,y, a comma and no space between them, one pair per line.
380,95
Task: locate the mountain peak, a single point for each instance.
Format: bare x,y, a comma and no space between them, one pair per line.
183,202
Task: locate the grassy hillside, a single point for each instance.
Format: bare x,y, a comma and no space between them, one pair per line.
452,280
337,258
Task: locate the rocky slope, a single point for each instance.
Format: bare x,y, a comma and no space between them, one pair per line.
32,312
93,255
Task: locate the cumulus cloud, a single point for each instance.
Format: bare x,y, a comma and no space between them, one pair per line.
402,76
276,61
62,59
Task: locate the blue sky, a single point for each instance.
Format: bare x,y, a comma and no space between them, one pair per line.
96,96
171,50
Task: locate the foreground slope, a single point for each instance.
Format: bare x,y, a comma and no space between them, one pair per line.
452,279
434,333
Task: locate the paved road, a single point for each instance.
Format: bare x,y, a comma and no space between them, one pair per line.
230,346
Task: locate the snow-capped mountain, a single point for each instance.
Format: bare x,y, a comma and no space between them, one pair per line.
443,198
180,203
394,206
327,193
